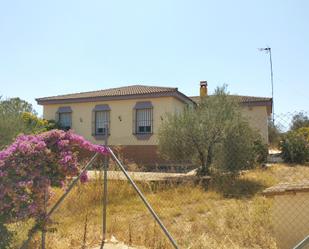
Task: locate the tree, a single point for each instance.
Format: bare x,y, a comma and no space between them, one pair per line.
199,133
11,118
274,133
240,149
299,120
295,146
18,116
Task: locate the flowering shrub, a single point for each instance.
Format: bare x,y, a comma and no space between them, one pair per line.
34,163
32,124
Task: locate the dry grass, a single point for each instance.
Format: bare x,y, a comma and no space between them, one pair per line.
225,214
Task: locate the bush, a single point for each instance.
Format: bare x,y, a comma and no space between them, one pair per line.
29,167
295,146
241,149
34,125
260,151
274,134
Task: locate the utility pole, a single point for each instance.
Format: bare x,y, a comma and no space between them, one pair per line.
268,50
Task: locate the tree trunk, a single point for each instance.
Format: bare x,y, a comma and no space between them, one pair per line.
206,162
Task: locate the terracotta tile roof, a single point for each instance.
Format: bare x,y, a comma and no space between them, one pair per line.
115,93
240,99
138,91
285,188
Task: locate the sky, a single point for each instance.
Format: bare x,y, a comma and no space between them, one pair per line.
56,47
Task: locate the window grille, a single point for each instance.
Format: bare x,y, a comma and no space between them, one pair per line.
101,122
144,121
65,120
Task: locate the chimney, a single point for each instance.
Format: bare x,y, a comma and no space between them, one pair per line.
203,88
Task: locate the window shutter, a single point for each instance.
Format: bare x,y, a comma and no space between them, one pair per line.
108,122
57,117
93,123
134,121
70,120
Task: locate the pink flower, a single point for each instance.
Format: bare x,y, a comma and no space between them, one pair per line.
33,163
2,174
84,177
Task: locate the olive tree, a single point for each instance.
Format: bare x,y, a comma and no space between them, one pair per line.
207,133
299,120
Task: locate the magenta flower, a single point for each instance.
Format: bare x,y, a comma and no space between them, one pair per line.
84,177
34,163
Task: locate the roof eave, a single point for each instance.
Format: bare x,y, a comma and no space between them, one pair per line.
176,94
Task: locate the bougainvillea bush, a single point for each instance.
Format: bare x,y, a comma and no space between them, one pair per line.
33,164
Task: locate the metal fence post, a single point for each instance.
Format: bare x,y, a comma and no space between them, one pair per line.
148,206
34,228
43,238
44,225
105,167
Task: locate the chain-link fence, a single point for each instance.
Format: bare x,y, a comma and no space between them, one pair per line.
218,191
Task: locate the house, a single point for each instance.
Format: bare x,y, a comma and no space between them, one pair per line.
132,115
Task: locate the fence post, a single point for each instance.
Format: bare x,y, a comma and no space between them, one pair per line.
153,213
43,238
34,228
105,167
44,224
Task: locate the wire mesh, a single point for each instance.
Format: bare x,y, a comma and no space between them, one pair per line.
241,201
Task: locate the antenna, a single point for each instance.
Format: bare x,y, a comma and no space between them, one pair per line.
268,51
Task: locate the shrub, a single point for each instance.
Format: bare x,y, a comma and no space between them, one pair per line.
241,149
260,150
274,134
30,166
295,146
34,125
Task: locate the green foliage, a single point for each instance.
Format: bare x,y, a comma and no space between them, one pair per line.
274,134
260,150
18,116
213,134
240,149
295,146
11,122
299,120
34,124
6,236
175,140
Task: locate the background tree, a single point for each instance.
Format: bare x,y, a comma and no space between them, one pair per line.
274,134
202,134
299,120
295,146
18,116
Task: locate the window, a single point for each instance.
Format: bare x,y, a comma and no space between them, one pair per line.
101,122
143,121
65,118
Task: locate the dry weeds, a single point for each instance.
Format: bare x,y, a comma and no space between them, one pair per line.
228,213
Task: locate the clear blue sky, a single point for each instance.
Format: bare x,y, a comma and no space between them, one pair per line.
57,47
